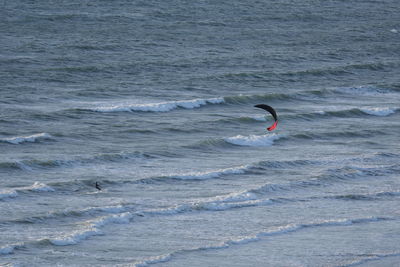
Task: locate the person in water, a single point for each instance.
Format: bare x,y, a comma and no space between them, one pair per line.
98,186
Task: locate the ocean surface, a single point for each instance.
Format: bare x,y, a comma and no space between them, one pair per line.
154,102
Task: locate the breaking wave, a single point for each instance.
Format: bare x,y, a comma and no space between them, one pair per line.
28,138
210,174
156,107
36,187
378,111
253,140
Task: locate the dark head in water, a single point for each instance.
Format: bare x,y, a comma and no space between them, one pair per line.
273,113
98,186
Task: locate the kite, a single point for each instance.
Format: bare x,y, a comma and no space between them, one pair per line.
273,113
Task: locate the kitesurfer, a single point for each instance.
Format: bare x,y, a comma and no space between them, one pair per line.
98,186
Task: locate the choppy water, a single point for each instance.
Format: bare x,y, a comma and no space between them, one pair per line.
154,101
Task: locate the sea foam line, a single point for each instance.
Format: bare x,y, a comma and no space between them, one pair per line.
29,138
280,230
157,107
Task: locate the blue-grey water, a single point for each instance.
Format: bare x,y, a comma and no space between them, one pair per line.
153,100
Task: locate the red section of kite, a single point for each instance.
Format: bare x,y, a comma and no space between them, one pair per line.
273,126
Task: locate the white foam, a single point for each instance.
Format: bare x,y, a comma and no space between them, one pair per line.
117,218
394,31
158,107
30,138
212,174
218,206
74,238
107,209
235,197
378,111
38,187
253,140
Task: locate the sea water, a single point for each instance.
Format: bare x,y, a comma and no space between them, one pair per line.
154,101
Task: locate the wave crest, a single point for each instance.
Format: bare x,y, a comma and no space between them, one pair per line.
253,140
211,174
378,111
157,107
29,138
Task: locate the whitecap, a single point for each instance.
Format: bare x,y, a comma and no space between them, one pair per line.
211,174
378,111
29,138
38,187
236,196
157,107
74,238
117,218
253,140
219,206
